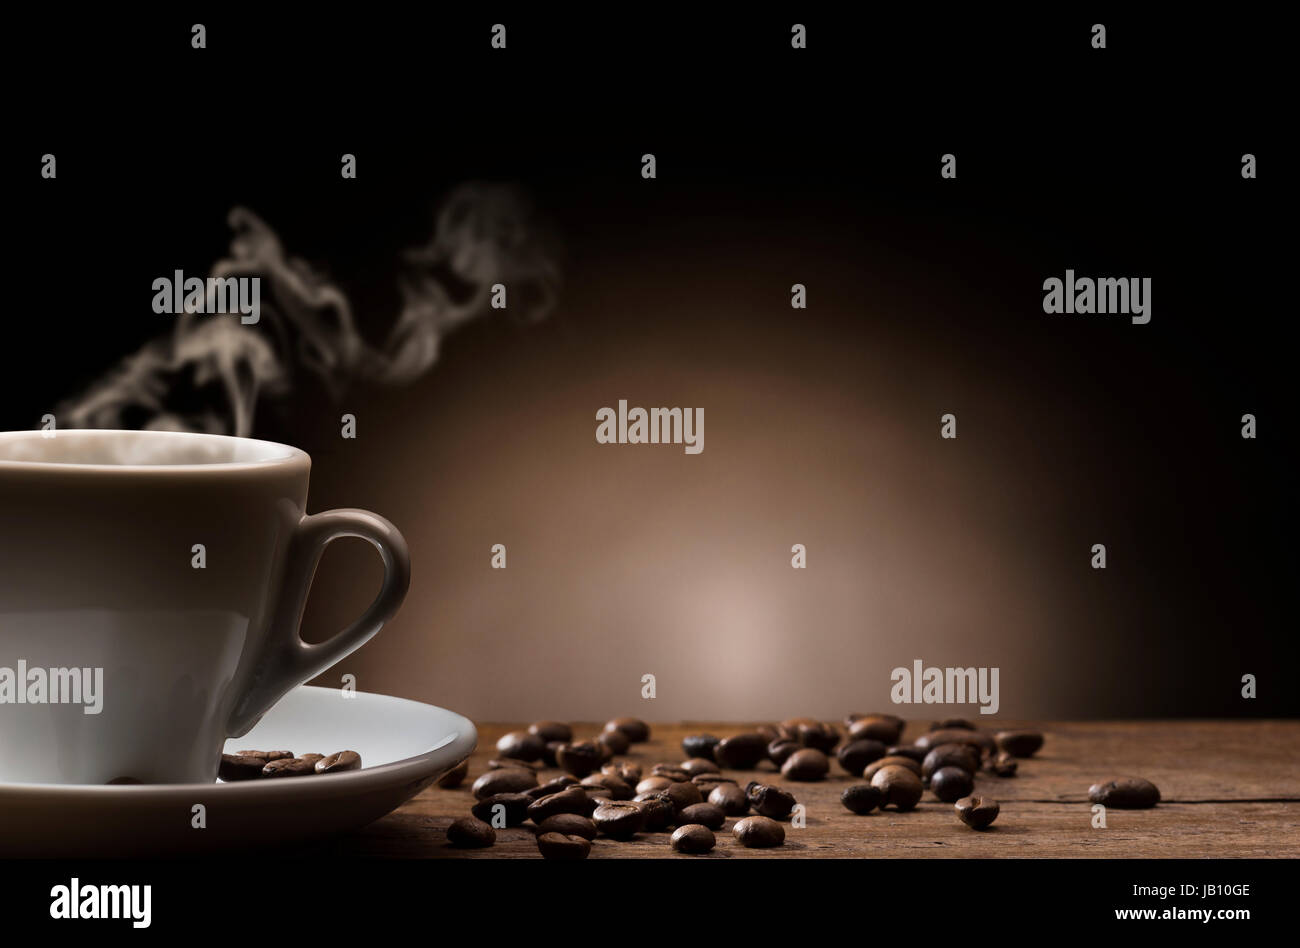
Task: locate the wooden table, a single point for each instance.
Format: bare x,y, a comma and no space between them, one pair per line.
1229,788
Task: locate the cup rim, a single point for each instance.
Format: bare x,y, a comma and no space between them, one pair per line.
277,454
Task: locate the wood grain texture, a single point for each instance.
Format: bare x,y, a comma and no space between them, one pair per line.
1229,789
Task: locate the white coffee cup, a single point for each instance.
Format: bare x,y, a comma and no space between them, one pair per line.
155,581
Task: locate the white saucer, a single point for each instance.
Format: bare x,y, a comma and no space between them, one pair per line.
404,746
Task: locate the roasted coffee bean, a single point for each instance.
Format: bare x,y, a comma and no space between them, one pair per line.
907,750
779,750
758,832
855,755
960,724
977,812
548,755
683,794
705,814
706,782
569,800
728,797
339,763
671,772
266,756
470,833
636,730
950,755
950,784
520,745
870,770
579,759
550,731
699,745
740,751
504,780
568,824
818,735
513,809
659,813
626,771
790,726
560,847
615,742
497,763
767,800
618,819
1125,793
692,838
885,728
1001,764
982,741
1020,743
240,767
614,788
806,764
291,766
861,797
454,777
698,765
769,733
554,785
900,787
654,784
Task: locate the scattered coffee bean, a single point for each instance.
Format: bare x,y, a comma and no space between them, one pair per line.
950,755
861,797
1001,764
758,832
240,767
579,759
698,765
636,730
699,745
548,755
806,764
654,784
683,794
614,788
505,780
769,733
626,771
885,728
789,728
560,847
291,766
706,782
741,751
470,833
767,800
818,735
659,813
615,742
1125,793
779,750
671,771
569,800
619,820
1020,743
977,812
870,770
855,755
706,814
982,741
960,724
950,784
499,763
907,750
568,824
520,745
513,809
550,731
692,838
454,777
339,763
554,785
899,786
729,798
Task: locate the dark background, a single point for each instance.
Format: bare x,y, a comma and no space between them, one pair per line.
775,166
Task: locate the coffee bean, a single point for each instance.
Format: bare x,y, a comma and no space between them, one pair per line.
779,750
513,808
769,733
618,820
699,745
339,763
568,824
818,735
550,731
266,756
982,741
729,798
499,763
636,730
861,797
758,832
615,742
706,814
855,755
291,766
614,788
768,800
790,726
1125,793
470,833
563,848
548,755
520,745
706,782
960,724
870,770
900,787
806,764
885,728
1020,743
670,771
1001,764
654,784
950,755
683,794
907,750
240,767
692,838
698,765
505,780
950,784
454,777
626,771
659,813
977,812
554,785
740,751
579,759
569,800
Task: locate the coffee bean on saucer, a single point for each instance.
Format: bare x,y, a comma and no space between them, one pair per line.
579,759
1001,764
950,784
960,724
706,814
698,765
699,745
339,763
500,763
779,750
692,838
907,750
759,832
771,801
658,811
1125,793
504,780
899,786
740,751
554,785
855,755
570,800
513,809
950,755
559,847
614,788
615,742
619,820
861,797
885,728
683,794
870,770
806,764
454,777
267,756
977,812
729,798
291,766
550,731
1019,743
520,745
470,833
670,771
240,767
636,730
568,824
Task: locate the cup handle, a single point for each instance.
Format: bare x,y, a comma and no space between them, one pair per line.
289,661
